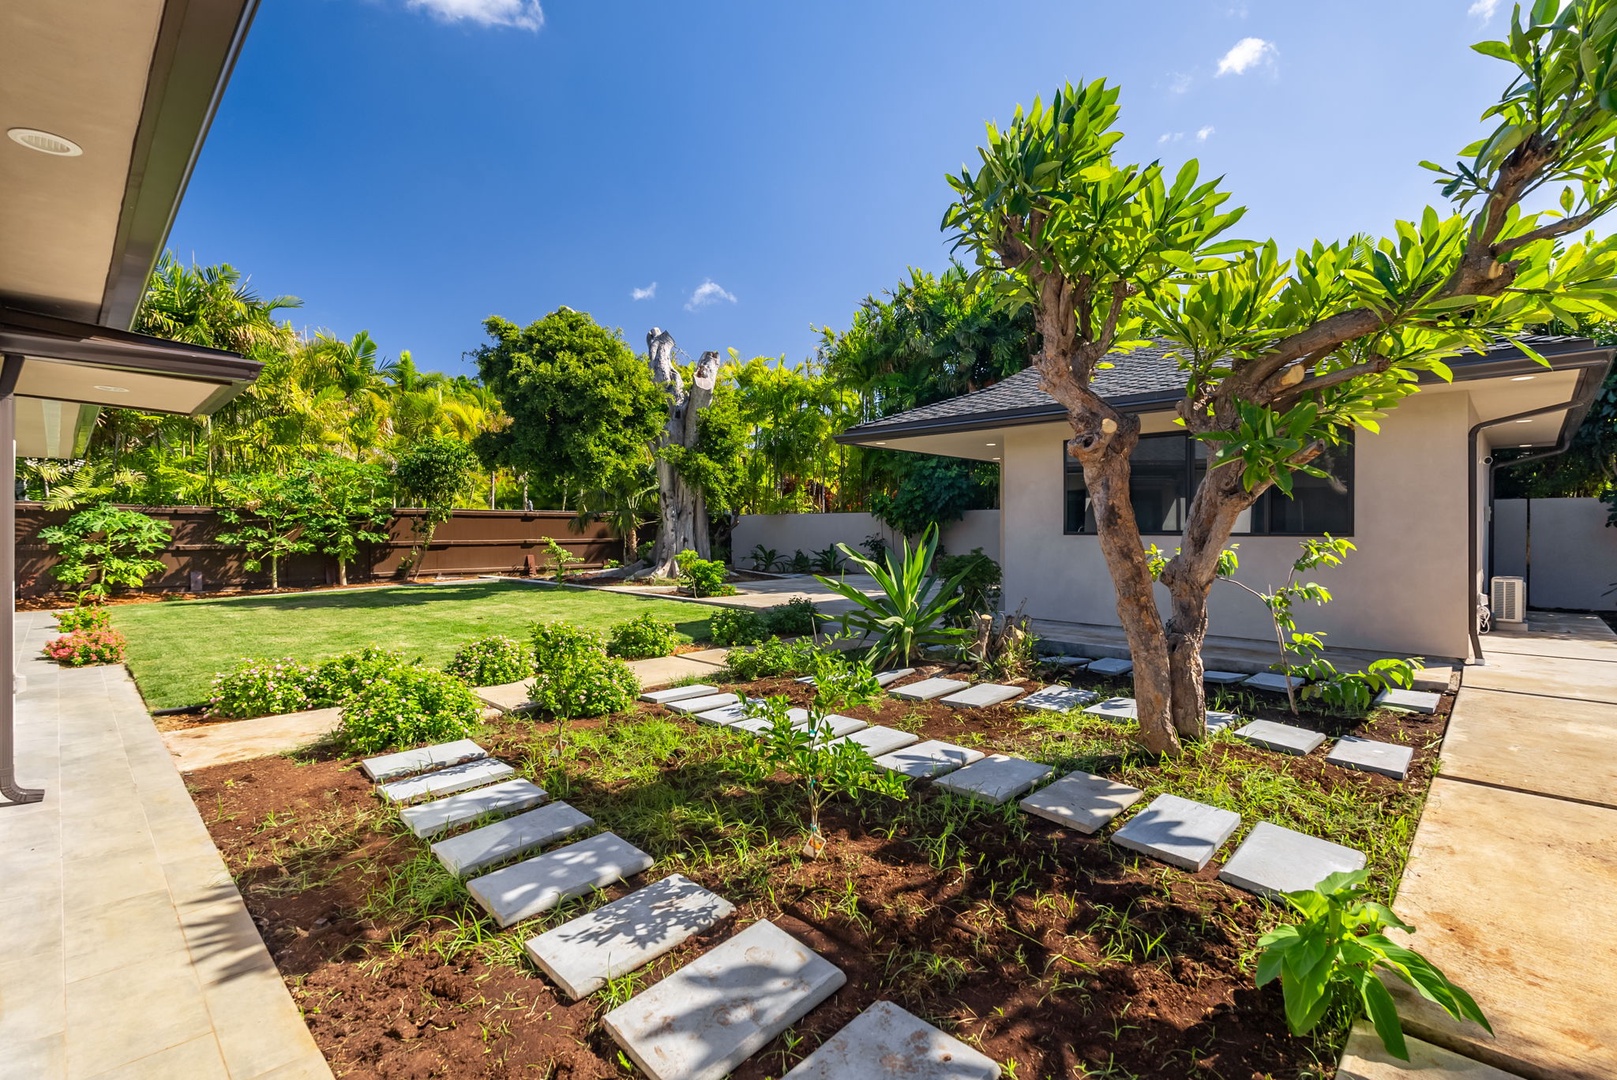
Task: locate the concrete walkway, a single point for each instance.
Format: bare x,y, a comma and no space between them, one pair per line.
125,949
1513,870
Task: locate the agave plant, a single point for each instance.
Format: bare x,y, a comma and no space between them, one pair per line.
910,612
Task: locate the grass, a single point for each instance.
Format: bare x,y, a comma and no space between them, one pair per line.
176,647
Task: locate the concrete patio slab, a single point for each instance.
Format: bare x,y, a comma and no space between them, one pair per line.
1549,676
708,1017
982,696
1117,708
676,693
1368,755
446,781
928,759
927,689
1283,738
507,697
616,938
1111,667
996,779
887,1043
421,759
1418,701
473,851
1559,747
229,741
716,657
1180,832
1273,860
1082,801
878,740
1058,699
662,670
705,703
429,819
1364,1058
539,884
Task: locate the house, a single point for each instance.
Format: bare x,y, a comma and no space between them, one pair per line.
1414,498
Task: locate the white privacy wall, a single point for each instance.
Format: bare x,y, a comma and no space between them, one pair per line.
1562,547
788,533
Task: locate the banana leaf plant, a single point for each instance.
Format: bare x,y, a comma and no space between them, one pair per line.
910,612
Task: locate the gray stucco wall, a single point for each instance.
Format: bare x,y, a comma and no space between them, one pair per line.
1562,547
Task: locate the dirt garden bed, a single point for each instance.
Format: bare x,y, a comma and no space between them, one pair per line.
1053,952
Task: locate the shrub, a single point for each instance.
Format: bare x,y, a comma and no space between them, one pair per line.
978,576
560,558
81,647
84,617
576,677
106,547
736,626
771,658
800,563
261,688
407,706
643,637
794,618
345,673
554,643
764,558
703,577
491,661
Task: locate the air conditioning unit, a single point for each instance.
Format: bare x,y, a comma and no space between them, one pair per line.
1507,599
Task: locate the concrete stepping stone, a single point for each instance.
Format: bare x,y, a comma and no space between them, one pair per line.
446,781
1110,666
392,766
834,725
1082,801
886,1043
470,852
760,724
705,1019
539,884
706,703
582,954
1058,699
983,695
1368,755
1218,721
1180,832
1067,663
725,715
1420,701
1117,708
507,697
996,779
1272,860
678,693
927,689
1436,680
878,740
429,819
892,675
1286,738
928,759
1272,682
1223,678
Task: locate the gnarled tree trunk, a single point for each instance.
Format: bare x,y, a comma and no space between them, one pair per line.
682,513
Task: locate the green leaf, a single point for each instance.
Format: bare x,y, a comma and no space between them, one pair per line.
1383,1013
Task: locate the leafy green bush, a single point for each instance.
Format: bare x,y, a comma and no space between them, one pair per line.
703,577
643,637
1353,692
491,661
576,677
794,618
106,547
764,559
911,611
1330,959
978,578
408,706
82,647
826,560
84,617
800,563
555,643
348,672
770,658
261,688
560,558
736,626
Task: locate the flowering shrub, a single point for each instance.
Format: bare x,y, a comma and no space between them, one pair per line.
556,642
736,626
491,661
336,678
407,706
576,677
642,638
262,688
81,647
84,617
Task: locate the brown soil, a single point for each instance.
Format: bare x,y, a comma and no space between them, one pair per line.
1055,951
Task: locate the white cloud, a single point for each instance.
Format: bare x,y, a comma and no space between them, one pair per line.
522,14
1204,133
644,294
1170,137
1246,54
709,292
1179,83
1482,10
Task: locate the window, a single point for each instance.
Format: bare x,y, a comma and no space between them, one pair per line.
1167,468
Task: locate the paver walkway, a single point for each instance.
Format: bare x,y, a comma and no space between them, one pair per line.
125,949
1514,865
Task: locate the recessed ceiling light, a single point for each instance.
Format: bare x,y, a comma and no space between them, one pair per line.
996,457
1524,445
45,142
881,444
1529,420
111,389
990,444
1520,378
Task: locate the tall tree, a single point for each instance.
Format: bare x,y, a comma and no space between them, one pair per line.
435,475
1283,360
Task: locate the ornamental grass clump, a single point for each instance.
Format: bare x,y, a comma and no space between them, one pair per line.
346,673
642,638
406,707
83,647
262,688
575,676
491,661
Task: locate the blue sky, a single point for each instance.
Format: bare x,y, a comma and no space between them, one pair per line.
741,172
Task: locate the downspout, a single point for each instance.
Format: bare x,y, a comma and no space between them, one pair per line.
9,372
1579,400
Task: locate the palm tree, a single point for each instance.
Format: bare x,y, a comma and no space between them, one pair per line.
211,306
625,502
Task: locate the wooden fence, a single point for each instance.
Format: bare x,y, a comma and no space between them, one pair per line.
470,542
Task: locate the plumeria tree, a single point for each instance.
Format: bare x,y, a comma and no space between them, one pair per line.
1283,359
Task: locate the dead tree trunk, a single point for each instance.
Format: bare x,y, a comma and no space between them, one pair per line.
682,514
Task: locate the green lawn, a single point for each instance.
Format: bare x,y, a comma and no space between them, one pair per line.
176,647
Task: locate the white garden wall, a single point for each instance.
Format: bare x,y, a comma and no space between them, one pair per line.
1562,547
788,533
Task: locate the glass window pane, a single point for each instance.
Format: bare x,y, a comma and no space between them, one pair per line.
1317,504
1158,485
1078,515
